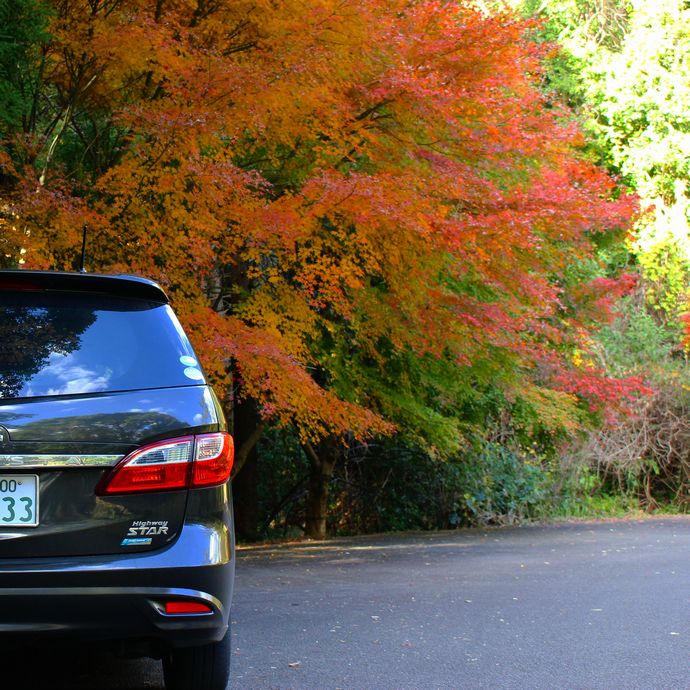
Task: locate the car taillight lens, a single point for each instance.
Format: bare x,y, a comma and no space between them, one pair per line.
178,463
213,458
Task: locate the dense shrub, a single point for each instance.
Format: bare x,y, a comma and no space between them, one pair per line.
647,456
643,458
501,485
389,486
392,487
282,487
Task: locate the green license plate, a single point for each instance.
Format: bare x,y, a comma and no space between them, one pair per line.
18,500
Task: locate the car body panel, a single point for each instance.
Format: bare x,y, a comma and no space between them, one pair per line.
119,597
68,433
93,368
92,283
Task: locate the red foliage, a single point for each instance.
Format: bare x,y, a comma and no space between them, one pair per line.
288,169
604,394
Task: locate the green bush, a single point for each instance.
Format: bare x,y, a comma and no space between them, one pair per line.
500,485
582,492
389,487
283,474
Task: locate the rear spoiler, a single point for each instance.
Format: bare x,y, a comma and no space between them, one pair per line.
116,285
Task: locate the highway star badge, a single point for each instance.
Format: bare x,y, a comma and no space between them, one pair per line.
141,532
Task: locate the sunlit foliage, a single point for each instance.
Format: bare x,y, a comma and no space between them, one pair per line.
366,212
627,64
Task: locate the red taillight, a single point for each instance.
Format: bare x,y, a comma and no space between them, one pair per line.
178,463
213,458
178,607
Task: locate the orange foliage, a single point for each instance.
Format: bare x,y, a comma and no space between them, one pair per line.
287,168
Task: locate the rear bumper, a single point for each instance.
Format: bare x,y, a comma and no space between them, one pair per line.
123,597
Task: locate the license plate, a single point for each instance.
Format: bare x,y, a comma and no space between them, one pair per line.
18,500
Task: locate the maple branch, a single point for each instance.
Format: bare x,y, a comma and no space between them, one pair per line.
248,45
106,8
239,27
290,496
62,122
30,125
101,157
112,7
142,178
242,453
333,14
371,110
51,149
412,140
312,455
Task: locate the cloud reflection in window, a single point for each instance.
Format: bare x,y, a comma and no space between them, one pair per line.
63,376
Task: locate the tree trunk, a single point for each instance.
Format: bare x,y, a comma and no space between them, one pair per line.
322,459
247,427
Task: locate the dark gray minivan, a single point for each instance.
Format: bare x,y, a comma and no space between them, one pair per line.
115,507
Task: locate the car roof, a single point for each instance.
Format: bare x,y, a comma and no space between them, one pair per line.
117,285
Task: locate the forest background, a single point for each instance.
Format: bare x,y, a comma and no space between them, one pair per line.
434,255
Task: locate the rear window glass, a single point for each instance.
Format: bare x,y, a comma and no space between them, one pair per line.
70,343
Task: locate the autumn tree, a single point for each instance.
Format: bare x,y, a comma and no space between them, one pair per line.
363,211
625,64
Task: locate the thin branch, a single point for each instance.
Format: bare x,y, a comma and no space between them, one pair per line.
242,454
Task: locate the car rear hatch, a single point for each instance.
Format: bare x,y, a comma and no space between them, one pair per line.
92,369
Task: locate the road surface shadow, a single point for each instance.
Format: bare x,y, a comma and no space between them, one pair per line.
40,667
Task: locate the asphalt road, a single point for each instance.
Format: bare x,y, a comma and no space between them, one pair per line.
586,605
